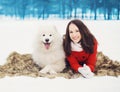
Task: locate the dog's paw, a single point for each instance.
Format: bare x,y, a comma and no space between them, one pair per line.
43,71
48,70
52,72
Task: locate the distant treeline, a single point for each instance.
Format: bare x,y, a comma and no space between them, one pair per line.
64,9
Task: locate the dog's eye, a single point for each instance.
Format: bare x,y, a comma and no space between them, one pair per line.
43,34
50,35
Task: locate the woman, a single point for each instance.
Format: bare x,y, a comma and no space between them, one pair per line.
80,47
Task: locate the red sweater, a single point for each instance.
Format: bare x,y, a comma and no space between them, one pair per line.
82,57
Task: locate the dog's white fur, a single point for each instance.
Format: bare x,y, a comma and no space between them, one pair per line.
51,60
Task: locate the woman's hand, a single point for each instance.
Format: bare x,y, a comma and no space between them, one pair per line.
85,71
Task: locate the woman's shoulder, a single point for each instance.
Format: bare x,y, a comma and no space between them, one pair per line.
95,44
95,41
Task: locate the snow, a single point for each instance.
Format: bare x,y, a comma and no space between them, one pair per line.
19,36
28,84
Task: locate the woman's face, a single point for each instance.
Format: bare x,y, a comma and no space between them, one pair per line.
74,33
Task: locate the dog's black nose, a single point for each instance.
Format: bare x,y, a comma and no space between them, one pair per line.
47,40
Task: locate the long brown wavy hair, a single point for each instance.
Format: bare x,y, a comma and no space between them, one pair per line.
87,40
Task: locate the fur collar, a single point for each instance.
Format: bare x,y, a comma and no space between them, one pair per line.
76,46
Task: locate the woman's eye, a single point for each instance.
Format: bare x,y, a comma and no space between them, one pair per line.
43,34
50,35
77,30
70,32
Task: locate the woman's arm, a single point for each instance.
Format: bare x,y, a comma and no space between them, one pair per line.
73,63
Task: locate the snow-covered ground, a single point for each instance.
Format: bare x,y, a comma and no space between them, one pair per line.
28,84
19,36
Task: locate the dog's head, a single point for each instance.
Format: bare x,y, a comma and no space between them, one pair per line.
47,39
48,36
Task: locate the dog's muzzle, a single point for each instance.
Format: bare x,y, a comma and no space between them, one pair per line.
47,43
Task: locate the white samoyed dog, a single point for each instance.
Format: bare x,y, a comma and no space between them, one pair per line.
48,51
